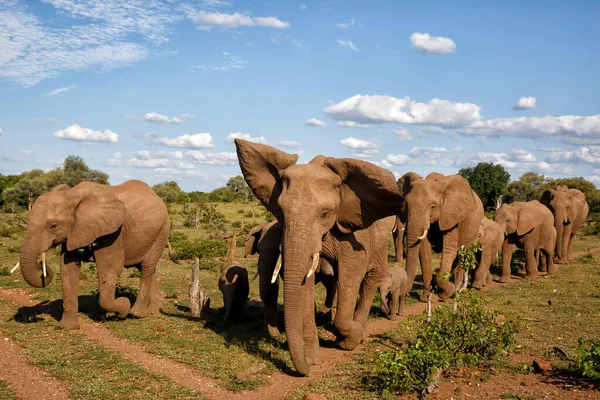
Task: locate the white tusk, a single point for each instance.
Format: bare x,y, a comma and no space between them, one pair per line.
402,229
394,230
314,265
255,275
276,271
424,235
44,263
17,265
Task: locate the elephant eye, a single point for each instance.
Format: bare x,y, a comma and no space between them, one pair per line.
324,214
432,205
52,226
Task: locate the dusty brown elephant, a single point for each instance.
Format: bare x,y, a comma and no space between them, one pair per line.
528,226
393,290
233,283
123,225
490,238
443,213
344,198
570,209
399,232
265,239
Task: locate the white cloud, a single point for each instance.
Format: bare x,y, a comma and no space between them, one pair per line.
207,20
196,141
290,144
149,163
352,124
231,62
129,117
433,153
589,154
156,118
391,160
384,108
174,160
361,148
33,51
239,135
59,91
346,25
188,116
432,44
221,158
1,132
518,160
315,122
26,152
348,44
401,134
78,133
525,103
303,6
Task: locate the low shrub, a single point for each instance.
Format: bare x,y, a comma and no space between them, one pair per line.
588,358
471,337
187,249
586,258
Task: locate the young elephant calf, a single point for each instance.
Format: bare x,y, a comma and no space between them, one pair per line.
393,288
233,283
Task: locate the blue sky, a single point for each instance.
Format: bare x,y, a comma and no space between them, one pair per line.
156,90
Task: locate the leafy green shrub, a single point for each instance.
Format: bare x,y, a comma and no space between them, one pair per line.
586,258
470,337
4,271
187,249
588,358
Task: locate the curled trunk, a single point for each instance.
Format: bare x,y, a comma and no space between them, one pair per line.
31,271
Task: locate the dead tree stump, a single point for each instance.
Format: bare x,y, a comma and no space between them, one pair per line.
199,302
232,245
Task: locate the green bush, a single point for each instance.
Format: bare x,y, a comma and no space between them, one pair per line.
586,258
186,249
588,358
4,271
470,337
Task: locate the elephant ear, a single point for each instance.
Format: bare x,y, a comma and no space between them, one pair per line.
261,166
252,240
547,197
367,193
405,182
97,214
459,201
530,216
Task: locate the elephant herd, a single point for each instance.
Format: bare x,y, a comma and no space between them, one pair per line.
333,220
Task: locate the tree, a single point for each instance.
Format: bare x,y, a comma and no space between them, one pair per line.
168,191
7,181
77,171
530,186
488,181
25,191
238,186
54,178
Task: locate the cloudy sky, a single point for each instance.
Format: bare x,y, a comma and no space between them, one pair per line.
157,90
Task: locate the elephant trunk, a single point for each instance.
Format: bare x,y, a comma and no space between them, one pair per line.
415,230
29,266
560,229
297,259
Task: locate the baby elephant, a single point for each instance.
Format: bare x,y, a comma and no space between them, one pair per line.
393,288
233,283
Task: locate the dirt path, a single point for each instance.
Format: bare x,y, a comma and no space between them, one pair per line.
28,381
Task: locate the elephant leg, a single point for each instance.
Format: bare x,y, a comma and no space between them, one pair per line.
550,266
401,303
507,252
531,267
109,263
69,274
542,262
395,304
157,303
449,253
384,306
426,268
311,337
268,294
149,283
483,270
570,247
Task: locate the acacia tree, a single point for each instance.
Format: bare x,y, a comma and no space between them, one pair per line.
529,186
77,171
488,180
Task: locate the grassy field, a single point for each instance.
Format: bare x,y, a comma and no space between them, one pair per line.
554,311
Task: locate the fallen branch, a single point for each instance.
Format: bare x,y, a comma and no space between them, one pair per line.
199,302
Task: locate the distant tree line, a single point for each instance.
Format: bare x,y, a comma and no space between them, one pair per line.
235,191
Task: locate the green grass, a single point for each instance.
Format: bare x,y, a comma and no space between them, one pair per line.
6,393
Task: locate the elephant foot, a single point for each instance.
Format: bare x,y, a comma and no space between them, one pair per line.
138,311
423,298
531,277
478,284
393,316
446,291
313,356
69,322
350,343
504,279
155,306
122,306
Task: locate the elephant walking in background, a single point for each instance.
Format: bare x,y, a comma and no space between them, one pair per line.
123,225
490,238
265,239
393,290
344,198
399,232
442,213
570,209
528,226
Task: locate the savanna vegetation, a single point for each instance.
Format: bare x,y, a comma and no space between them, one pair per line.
498,332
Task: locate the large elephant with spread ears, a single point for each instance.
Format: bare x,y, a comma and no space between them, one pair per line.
442,213
327,196
570,209
117,226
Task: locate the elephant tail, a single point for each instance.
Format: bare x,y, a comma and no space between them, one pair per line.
171,253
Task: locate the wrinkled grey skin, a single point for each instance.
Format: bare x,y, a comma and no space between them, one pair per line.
393,289
265,239
233,283
490,238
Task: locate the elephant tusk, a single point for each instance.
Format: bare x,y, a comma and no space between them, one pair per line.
44,264
277,268
255,275
394,230
314,265
424,235
403,229
17,265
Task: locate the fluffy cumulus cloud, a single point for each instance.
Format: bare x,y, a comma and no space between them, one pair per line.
352,124
590,155
384,108
156,118
171,160
239,135
392,160
290,144
315,122
361,148
81,134
525,103
207,20
348,44
433,153
518,161
432,44
196,141
59,91
401,134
